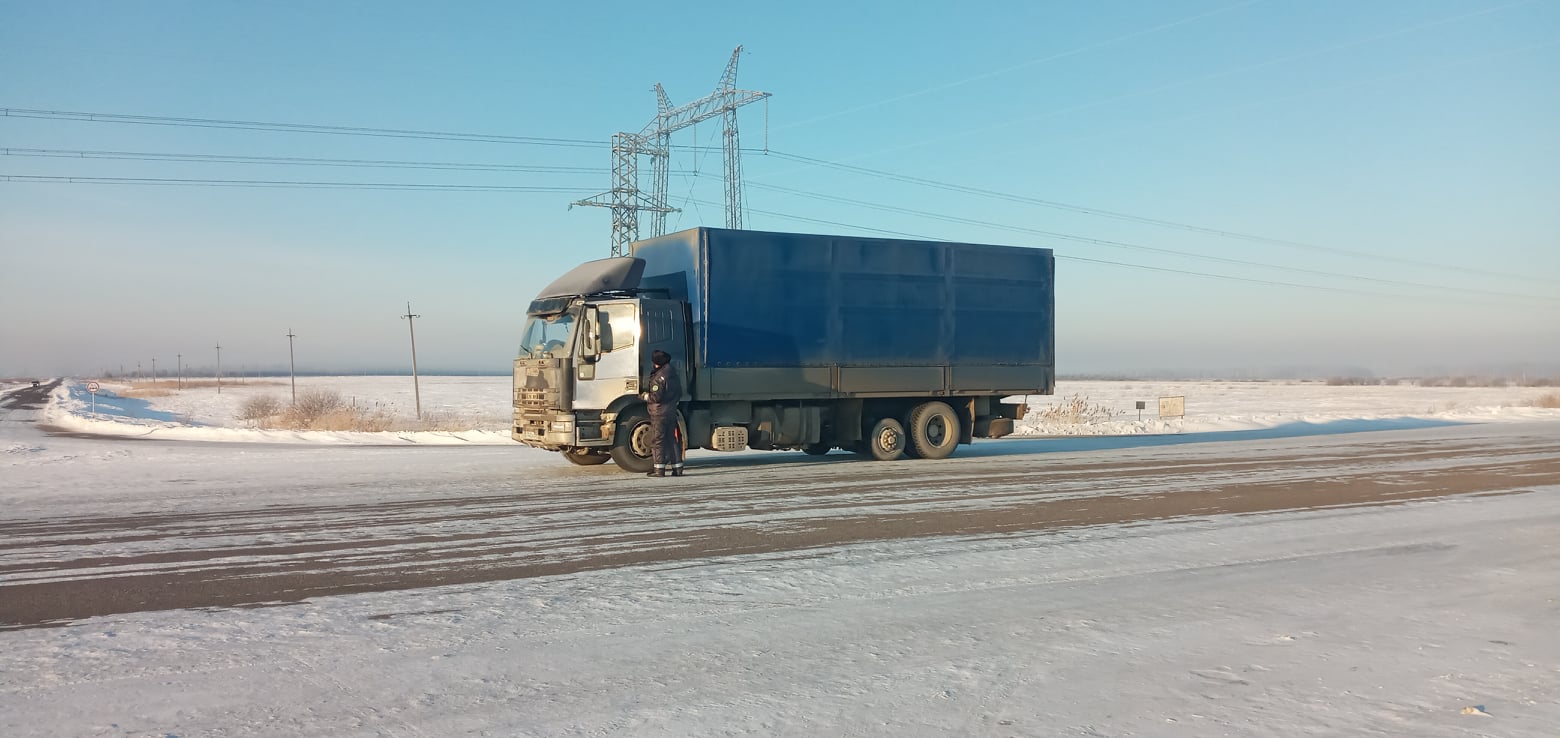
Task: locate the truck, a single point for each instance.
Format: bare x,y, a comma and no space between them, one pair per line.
889,348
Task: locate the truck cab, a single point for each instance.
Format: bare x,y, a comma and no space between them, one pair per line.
586,343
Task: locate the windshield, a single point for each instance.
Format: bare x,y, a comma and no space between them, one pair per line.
547,335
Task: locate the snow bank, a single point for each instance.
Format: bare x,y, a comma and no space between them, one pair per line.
481,406
205,414
1216,407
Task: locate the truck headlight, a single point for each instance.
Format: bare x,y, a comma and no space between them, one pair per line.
563,426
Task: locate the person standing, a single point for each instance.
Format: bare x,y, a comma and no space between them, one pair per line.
665,390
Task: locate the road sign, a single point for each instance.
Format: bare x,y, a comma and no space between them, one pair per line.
92,387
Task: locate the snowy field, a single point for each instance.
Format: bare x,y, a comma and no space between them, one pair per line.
478,408
1430,617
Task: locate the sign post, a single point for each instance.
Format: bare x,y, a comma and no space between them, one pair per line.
92,388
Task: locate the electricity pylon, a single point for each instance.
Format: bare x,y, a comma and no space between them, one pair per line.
654,140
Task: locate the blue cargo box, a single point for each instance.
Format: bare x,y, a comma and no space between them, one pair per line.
785,300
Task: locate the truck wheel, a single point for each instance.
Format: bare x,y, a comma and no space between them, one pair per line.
586,458
934,430
817,449
631,448
887,440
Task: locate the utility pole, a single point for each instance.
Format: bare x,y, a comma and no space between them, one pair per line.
416,390
180,359
292,368
139,375
154,370
219,367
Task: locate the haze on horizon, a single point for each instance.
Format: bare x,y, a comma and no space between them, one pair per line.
1229,185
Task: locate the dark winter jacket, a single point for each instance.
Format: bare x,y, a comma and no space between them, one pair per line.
663,390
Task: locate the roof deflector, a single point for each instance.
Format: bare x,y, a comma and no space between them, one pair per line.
617,274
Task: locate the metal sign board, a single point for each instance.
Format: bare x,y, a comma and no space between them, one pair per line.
92,387
1172,407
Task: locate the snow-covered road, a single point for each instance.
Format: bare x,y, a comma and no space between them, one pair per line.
1265,583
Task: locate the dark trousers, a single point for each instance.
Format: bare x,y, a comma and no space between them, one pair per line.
667,452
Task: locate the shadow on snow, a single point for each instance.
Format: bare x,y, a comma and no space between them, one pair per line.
114,406
1012,446
1057,444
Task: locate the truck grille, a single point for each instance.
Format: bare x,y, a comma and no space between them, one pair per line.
541,385
533,399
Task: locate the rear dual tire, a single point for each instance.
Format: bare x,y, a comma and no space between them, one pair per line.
934,430
930,431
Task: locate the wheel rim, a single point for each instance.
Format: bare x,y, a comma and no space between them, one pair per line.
888,439
936,431
639,441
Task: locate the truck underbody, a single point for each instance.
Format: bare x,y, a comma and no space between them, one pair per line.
881,427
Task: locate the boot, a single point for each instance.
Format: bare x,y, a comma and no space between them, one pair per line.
656,473
677,472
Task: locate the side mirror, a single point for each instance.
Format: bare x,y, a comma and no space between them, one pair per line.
592,337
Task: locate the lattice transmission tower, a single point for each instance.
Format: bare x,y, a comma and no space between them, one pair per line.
655,141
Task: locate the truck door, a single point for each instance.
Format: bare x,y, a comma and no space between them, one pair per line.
665,327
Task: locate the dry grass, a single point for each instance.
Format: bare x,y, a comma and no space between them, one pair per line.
1076,410
167,387
349,419
324,410
145,391
1550,401
260,407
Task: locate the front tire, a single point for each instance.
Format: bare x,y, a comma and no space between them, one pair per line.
817,449
886,442
631,447
934,430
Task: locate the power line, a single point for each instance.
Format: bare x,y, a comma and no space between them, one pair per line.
692,181
406,133
250,125
283,184
1116,215
1128,265
1139,247
924,237
296,160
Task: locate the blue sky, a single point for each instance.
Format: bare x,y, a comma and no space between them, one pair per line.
1396,158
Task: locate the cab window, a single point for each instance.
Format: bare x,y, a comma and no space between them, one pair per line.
618,327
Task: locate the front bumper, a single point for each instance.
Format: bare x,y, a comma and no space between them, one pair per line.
557,431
